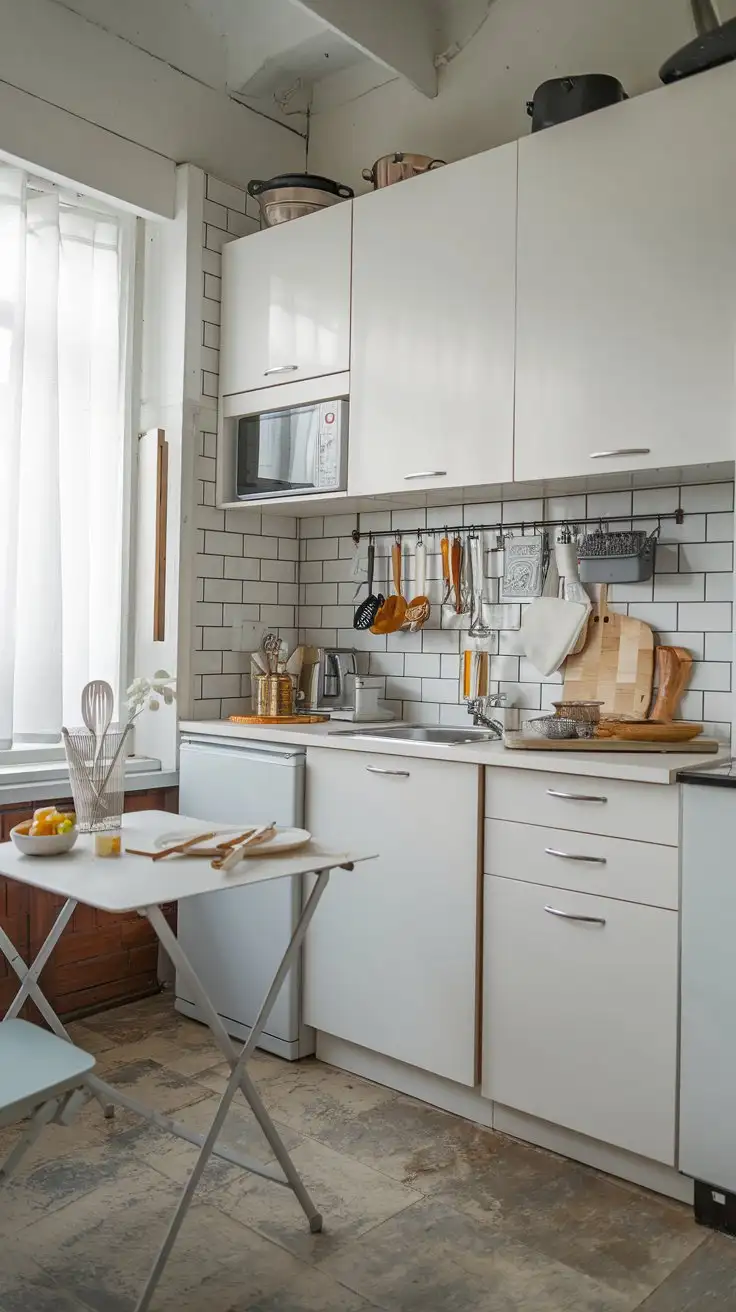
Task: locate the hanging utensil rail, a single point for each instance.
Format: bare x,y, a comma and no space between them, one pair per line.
572,521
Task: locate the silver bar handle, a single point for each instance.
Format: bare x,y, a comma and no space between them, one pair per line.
574,856
376,769
568,915
575,797
280,369
623,451
427,473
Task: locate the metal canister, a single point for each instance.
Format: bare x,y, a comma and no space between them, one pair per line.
273,694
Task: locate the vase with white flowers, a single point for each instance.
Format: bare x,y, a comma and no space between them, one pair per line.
96,755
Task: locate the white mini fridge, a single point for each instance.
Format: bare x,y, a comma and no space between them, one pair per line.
235,939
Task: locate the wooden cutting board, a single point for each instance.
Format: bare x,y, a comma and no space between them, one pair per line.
616,666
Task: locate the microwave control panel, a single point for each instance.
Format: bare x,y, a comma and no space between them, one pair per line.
329,446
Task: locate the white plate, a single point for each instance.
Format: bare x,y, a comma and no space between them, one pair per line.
284,840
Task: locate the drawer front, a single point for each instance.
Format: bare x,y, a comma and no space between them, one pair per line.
649,812
588,863
580,1016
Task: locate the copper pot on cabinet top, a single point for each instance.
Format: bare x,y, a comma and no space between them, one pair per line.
398,167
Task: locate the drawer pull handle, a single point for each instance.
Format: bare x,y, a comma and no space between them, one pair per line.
427,473
573,856
280,369
568,915
376,769
623,451
575,797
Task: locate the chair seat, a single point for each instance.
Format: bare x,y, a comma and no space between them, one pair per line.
36,1065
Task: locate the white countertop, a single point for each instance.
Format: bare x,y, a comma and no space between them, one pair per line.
641,767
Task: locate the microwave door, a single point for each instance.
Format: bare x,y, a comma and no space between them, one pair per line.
304,447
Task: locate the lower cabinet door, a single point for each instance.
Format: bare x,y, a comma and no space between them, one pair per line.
391,955
580,1013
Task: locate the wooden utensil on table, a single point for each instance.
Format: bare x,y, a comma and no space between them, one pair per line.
616,667
182,847
391,615
648,731
231,858
674,667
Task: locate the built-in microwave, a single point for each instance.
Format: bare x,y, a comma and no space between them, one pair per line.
302,448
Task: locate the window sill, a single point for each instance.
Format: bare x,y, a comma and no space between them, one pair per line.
34,781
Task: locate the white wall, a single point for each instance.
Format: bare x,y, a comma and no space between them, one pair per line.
483,92
80,102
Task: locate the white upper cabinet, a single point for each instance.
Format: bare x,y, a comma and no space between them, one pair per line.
627,285
432,375
286,302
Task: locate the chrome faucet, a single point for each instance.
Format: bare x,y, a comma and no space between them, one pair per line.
478,707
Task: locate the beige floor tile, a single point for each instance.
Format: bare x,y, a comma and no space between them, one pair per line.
25,1287
430,1257
266,1279
262,1068
42,1188
321,1101
351,1197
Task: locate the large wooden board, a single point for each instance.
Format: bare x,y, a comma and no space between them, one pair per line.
607,745
616,666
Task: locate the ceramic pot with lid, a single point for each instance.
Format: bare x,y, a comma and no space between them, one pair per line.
398,167
292,195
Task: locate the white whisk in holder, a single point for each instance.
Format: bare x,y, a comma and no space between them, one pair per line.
97,776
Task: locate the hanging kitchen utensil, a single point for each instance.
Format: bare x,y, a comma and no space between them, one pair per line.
525,562
674,667
478,626
391,615
715,44
616,666
272,646
368,609
97,708
398,167
457,559
418,609
445,554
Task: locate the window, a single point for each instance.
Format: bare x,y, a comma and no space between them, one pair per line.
65,273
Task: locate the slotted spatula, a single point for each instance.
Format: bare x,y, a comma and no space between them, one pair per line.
368,609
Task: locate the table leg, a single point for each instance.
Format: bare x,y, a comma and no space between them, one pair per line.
30,975
239,1078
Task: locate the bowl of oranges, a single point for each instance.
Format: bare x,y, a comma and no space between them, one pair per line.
48,833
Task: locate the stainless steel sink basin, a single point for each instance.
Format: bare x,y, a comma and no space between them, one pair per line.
420,733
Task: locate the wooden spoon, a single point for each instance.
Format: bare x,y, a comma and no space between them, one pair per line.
674,666
391,615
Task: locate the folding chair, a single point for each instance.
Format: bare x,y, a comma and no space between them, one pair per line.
42,1079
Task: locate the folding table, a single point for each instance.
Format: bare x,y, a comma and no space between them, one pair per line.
134,883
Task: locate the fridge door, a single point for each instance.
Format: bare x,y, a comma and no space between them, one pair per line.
236,938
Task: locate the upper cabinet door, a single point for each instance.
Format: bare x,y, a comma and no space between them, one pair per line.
432,374
627,285
286,302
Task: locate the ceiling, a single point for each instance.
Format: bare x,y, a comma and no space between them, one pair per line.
280,56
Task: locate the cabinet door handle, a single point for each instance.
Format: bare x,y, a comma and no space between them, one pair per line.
427,473
573,856
280,369
623,451
568,915
376,769
575,797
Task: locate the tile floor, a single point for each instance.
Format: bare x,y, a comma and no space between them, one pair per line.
423,1211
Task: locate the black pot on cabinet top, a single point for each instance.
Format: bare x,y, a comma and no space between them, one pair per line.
292,195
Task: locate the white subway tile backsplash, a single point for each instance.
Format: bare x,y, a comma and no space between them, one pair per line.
207,662
720,528
243,521
223,544
223,589
714,616
711,676
656,501
440,690
707,496
279,526
320,594
425,665
706,556
609,503
259,592
205,517
288,549
322,548
678,587
718,706
215,214
718,646
238,567
403,689
278,571
209,567
260,546
220,685
719,587
692,642
232,198
661,615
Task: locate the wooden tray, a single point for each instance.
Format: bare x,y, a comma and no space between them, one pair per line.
606,745
278,719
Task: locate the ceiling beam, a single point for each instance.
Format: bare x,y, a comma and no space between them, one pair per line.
399,35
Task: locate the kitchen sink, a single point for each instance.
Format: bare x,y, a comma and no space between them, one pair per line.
421,733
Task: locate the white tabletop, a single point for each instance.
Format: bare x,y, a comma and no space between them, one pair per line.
126,883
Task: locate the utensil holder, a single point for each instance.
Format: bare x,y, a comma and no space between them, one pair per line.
273,694
97,779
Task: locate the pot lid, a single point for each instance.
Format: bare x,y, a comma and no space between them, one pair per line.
312,180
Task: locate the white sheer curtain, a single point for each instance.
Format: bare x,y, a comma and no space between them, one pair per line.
63,329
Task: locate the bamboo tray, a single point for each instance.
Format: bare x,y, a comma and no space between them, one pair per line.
518,743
